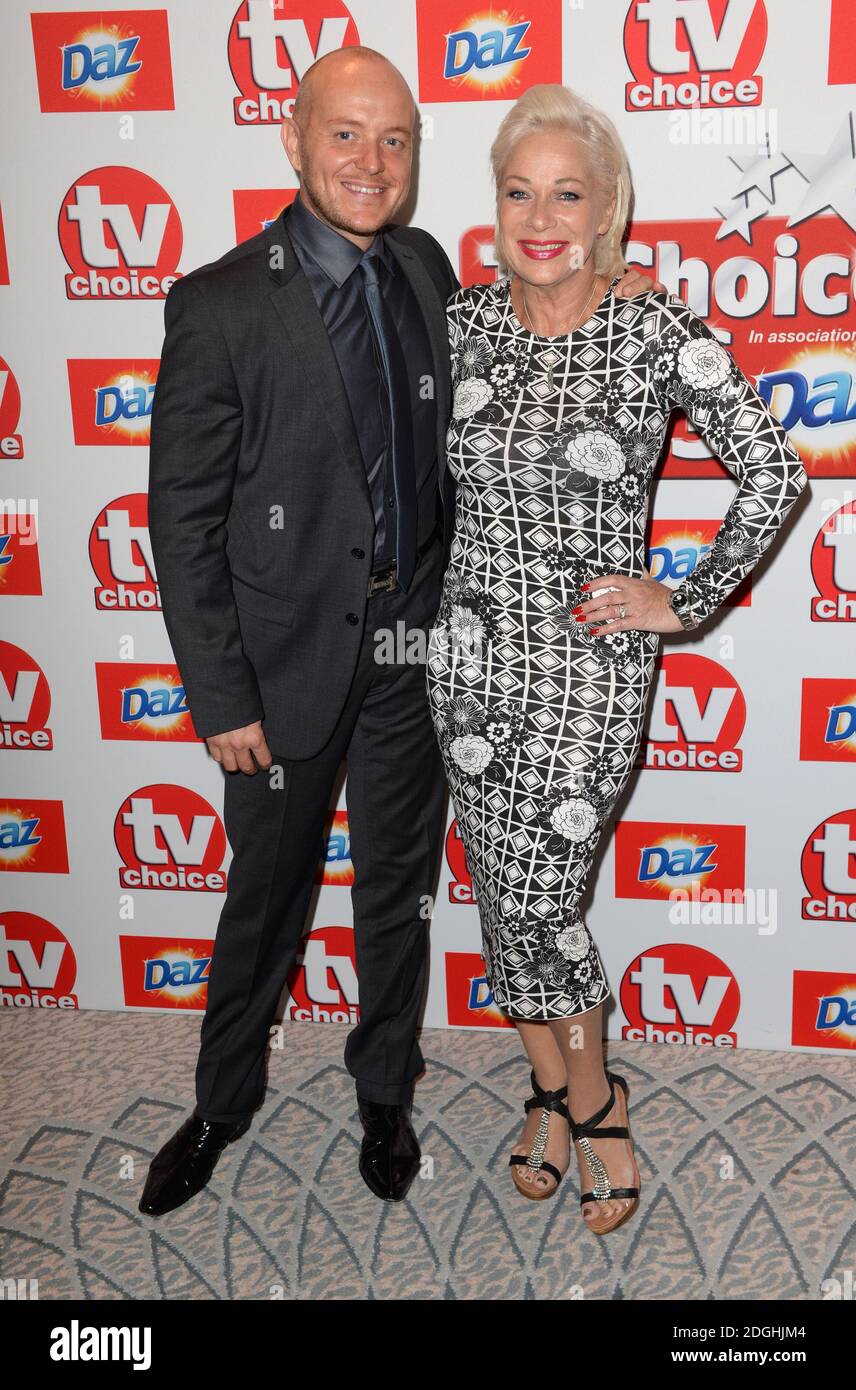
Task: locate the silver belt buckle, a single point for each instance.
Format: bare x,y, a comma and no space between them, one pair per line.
384,583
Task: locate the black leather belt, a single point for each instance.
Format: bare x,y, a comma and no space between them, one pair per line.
383,581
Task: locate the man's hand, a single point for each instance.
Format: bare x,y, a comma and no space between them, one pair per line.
237,748
633,282
646,605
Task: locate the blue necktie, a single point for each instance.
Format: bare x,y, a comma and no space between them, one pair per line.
401,417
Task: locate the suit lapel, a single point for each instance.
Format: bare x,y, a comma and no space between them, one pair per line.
294,302
434,313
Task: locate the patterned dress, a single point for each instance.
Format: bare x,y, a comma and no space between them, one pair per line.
553,443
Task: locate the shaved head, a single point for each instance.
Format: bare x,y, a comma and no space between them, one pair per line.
364,64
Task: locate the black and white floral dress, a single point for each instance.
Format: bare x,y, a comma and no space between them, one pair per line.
553,443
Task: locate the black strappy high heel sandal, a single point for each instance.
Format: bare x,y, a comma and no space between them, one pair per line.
603,1190
551,1101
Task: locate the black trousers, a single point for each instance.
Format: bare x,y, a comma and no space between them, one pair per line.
396,802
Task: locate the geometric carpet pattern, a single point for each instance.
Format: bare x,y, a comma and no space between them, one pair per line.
747,1161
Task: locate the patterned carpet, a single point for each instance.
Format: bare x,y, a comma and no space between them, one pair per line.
747,1164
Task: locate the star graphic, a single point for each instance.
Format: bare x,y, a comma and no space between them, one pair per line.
759,173
738,217
831,179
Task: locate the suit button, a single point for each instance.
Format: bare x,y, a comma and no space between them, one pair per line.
358,554
352,619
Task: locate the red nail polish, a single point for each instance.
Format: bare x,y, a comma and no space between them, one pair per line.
577,610
585,586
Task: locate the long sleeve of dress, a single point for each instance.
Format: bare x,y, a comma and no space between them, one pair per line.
692,370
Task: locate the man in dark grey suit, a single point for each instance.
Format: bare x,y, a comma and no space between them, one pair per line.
298,506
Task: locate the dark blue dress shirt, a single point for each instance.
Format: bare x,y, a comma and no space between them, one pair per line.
329,261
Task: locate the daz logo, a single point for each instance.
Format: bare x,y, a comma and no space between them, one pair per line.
652,858
161,972
120,553
111,400
461,884
473,52
32,837
469,1002
828,720
698,53
824,1009
271,46
698,716
37,965
256,208
141,704
322,983
335,867
170,837
680,994
121,236
106,60
828,862
25,701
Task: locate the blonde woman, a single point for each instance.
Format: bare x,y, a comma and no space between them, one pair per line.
543,653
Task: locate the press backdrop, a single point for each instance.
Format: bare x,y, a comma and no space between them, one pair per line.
143,142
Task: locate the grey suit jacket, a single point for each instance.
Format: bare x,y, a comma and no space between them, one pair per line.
259,511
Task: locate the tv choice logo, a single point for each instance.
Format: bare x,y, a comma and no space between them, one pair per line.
335,868
170,837
833,567
779,304
828,863
828,720
473,52
824,1008
142,703
678,993
104,60
25,702
38,969
165,972
460,883
111,400
121,236
32,837
655,858
271,47
256,208
469,1002
694,53
120,552
322,983
698,717
11,443
20,571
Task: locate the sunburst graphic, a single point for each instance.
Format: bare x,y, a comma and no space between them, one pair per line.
134,390
826,429
107,91
675,851
842,709
147,704
841,1024
168,977
13,831
497,78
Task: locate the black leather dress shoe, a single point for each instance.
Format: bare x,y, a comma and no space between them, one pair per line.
390,1153
185,1163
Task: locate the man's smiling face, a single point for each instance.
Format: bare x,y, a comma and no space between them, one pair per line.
353,147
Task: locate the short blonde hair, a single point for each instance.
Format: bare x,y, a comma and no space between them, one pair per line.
550,106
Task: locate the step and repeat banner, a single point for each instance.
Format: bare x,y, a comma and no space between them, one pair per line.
142,142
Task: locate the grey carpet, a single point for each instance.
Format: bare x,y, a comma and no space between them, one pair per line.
747,1162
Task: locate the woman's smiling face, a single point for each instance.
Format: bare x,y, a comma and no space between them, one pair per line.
550,209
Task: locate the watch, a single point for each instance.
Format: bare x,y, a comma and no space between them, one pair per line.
679,604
